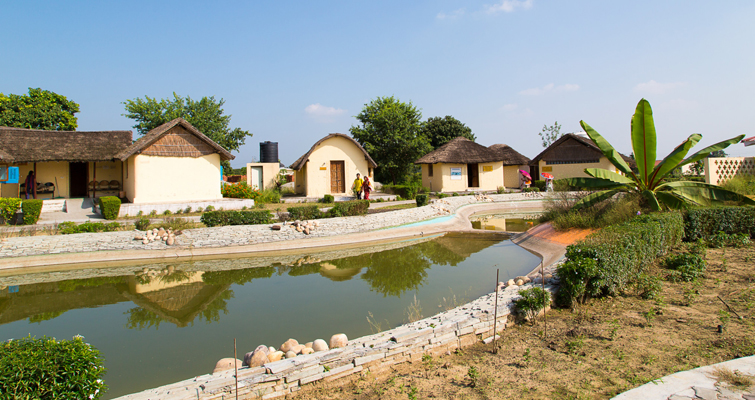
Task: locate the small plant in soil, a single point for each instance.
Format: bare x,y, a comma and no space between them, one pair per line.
533,300
474,376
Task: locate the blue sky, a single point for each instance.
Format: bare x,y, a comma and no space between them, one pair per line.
294,71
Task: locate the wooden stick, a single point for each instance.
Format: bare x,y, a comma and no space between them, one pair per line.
542,283
729,307
235,369
495,313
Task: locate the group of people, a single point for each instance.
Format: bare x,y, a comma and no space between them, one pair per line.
362,185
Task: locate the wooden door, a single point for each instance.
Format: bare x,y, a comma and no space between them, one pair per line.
473,175
337,180
78,179
257,178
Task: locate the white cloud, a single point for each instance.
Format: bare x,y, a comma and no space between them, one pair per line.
508,6
323,113
569,87
453,15
509,107
653,87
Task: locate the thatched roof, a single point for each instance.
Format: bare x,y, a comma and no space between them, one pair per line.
177,138
34,145
5,157
511,156
301,161
460,151
573,148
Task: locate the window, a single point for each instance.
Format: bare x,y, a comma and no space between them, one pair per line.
572,162
429,170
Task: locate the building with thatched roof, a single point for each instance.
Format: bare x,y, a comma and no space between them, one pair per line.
173,162
569,156
513,161
331,165
462,164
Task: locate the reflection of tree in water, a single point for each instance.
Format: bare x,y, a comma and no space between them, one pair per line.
237,276
397,271
140,318
45,316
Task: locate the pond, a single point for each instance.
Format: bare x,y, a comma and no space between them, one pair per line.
505,222
160,323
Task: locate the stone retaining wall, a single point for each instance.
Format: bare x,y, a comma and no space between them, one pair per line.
437,335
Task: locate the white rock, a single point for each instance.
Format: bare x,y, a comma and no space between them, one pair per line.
290,354
510,282
519,282
226,364
275,356
171,240
288,344
145,241
338,340
320,345
307,350
308,344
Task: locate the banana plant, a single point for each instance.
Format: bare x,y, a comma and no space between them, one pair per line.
649,179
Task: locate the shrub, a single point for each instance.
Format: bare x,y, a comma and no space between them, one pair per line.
533,300
421,200
90,227
8,208
210,208
619,254
110,206
267,196
32,209
187,210
743,184
328,199
648,286
702,223
540,184
239,190
408,192
722,239
175,224
605,213
442,195
47,368
305,212
500,190
142,223
454,194
530,189
349,208
68,227
235,217
685,267
112,227
167,212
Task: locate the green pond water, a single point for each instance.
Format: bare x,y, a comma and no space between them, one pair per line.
160,323
505,222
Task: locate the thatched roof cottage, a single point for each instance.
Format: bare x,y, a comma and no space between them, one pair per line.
568,157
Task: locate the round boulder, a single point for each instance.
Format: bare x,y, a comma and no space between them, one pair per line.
298,348
307,350
319,345
288,344
275,356
338,340
226,364
290,354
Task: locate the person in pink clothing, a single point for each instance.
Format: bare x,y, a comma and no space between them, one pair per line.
367,187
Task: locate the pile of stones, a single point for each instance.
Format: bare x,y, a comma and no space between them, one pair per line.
289,349
521,280
305,227
155,234
482,197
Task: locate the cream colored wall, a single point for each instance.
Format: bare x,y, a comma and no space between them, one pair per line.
300,181
511,175
170,179
46,172
442,181
334,149
129,178
105,171
490,180
435,182
560,171
269,172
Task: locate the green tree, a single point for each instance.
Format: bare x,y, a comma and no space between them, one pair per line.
40,109
650,179
205,114
391,134
440,131
550,134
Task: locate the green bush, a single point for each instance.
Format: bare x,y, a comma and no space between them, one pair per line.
304,212
540,184
31,208
328,199
235,217
500,190
67,228
349,208
530,189
722,239
620,254
743,184
110,206
8,208
268,196
533,300
442,195
408,192
142,223
421,200
648,286
47,368
685,267
702,223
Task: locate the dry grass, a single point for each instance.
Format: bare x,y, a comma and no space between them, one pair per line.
733,378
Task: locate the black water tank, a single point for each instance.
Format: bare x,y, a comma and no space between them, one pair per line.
269,152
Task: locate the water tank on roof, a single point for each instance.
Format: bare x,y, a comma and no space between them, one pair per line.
269,152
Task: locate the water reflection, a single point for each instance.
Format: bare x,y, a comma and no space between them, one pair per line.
504,222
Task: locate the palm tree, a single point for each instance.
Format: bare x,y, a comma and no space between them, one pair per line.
649,180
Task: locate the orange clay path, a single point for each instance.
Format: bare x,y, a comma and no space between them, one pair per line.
546,232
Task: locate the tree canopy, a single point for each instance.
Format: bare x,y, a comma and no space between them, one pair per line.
40,109
440,131
205,114
391,134
550,134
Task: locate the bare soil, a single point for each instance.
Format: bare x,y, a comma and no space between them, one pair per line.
597,351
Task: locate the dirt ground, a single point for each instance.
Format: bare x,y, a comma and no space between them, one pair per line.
594,352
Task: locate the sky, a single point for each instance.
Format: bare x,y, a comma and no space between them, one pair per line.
294,71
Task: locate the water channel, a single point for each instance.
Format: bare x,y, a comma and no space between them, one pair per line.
160,323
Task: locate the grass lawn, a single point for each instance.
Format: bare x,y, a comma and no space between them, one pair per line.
603,348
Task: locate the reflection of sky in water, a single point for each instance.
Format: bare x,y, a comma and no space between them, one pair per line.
168,323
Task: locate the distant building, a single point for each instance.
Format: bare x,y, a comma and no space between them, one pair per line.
569,156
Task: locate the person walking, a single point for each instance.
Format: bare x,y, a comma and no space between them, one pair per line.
367,187
31,186
357,187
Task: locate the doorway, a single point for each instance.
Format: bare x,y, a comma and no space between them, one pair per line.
337,179
78,177
257,178
473,175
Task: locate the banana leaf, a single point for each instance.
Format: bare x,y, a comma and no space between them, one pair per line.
709,195
706,151
671,200
613,156
644,140
605,174
650,196
593,183
675,157
595,198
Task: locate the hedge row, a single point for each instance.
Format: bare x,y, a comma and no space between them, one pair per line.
236,217
606,262
349,208
47,368
68,227
304,212
31,209
110,206
703,223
